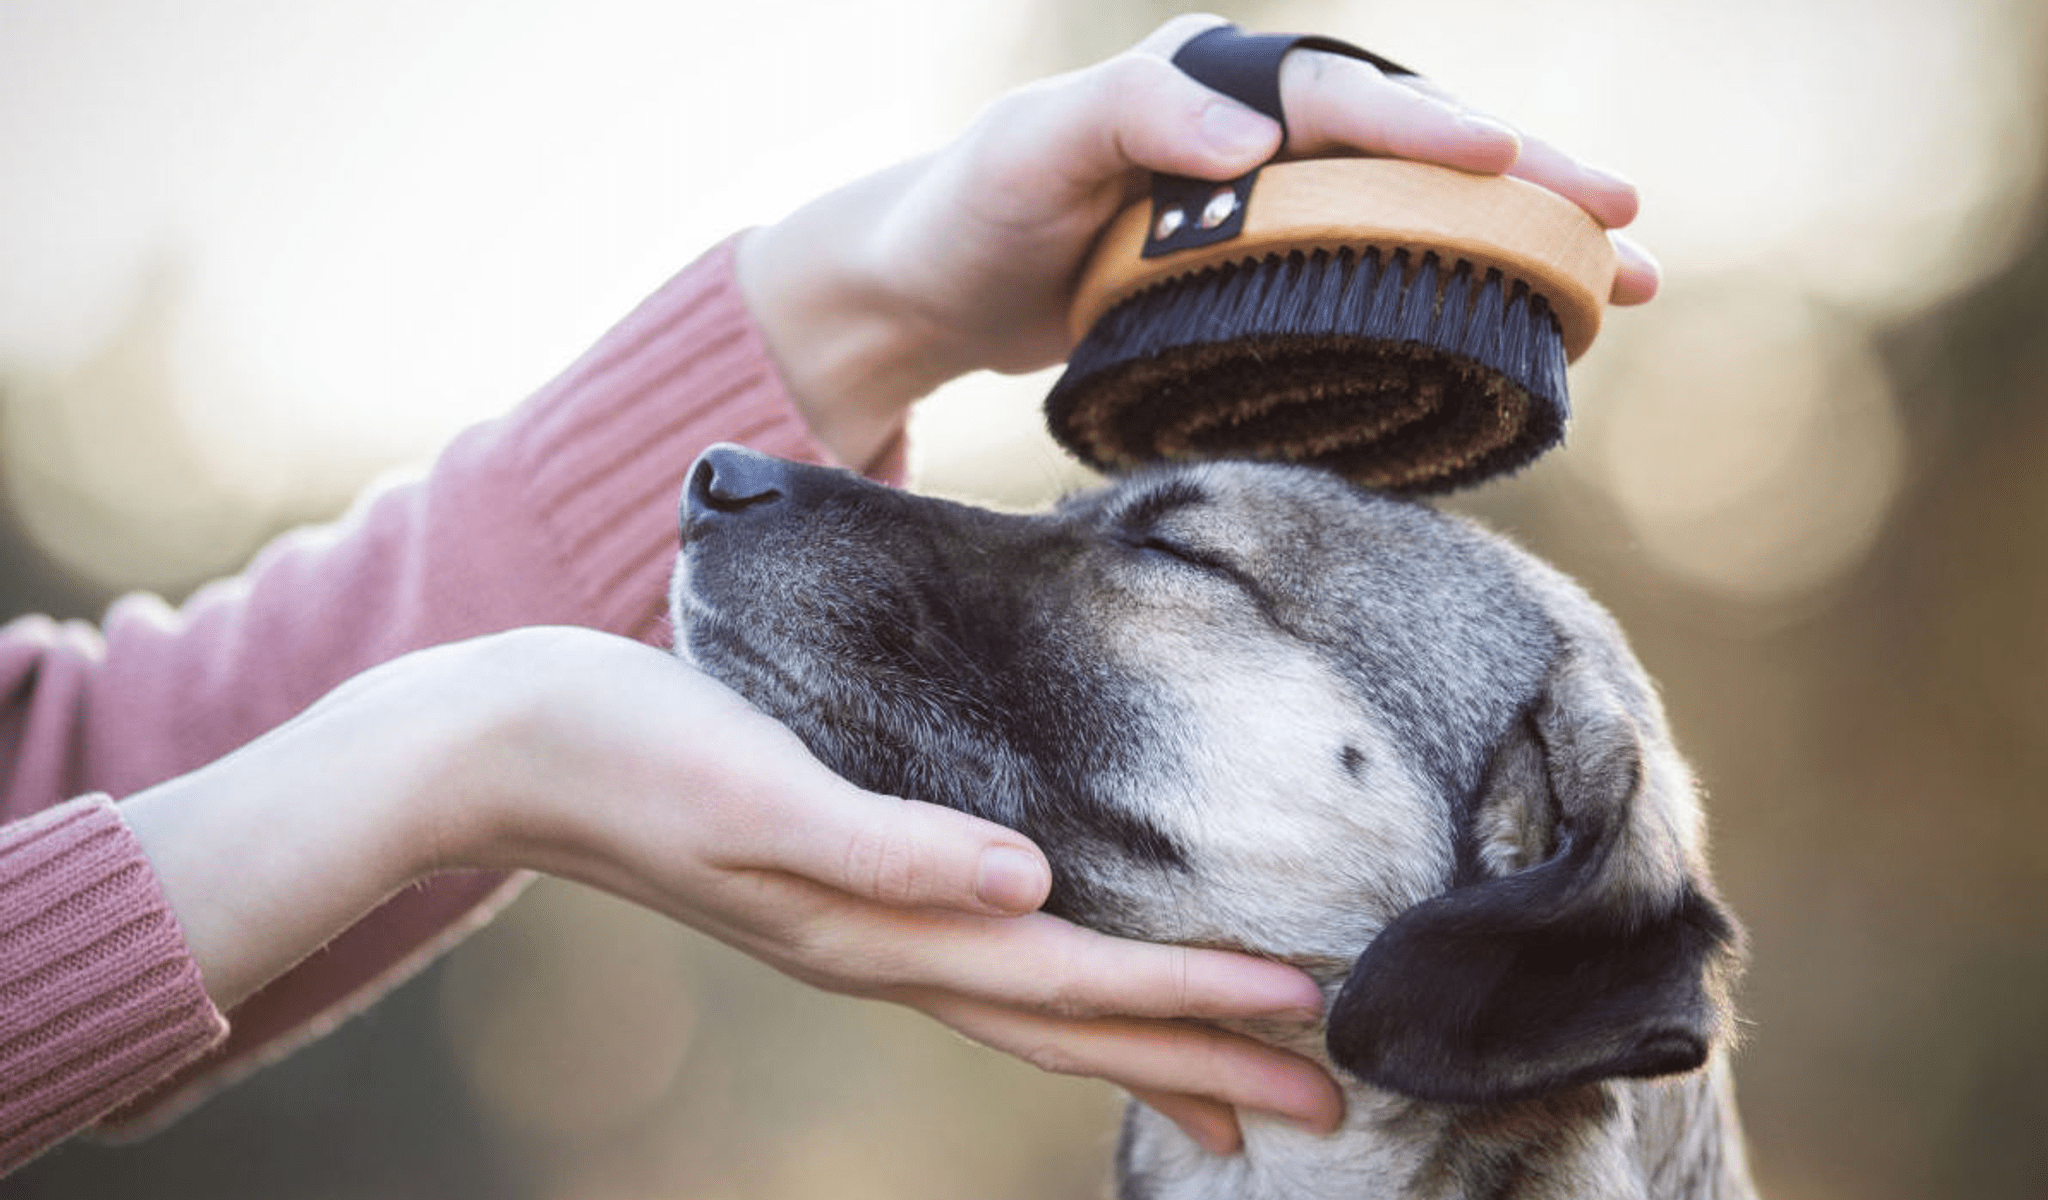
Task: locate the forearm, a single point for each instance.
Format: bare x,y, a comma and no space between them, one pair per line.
561,512
267,854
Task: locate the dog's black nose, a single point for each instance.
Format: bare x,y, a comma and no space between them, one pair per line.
729,479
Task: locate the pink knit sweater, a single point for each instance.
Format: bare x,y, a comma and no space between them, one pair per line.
563,512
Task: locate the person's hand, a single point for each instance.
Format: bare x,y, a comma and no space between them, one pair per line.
602,760
637,774
967,259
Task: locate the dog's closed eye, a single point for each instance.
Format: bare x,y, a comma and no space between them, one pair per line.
1182,551
1154,505
1148,524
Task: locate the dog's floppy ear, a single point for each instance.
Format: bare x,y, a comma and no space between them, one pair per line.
1588,945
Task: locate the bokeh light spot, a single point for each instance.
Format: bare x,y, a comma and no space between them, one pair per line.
573,1016
1751,442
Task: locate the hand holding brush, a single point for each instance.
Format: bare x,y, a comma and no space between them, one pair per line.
969,258
1404,324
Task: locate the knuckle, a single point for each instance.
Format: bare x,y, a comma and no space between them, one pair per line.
1175,31
1052,1058
885,866
1183,983
820,953
1065,992
1065,998
805,942
1009,109
1128,78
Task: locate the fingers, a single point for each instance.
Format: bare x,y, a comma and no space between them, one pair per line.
1050,965
899,853
1336,105
1606,197
1177,32
1132,113
1157,1058
1036,961
1638,277
1167,122
1086,972
1159,119
1342,105
1138,111
1208,1123
768,804
1347,100
1610,199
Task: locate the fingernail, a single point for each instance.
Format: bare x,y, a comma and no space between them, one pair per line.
1613,179
1012,880
1318,1126
1233,130
1631,251
1488,127
1218,1143
1290,996
1639,278
1322,1119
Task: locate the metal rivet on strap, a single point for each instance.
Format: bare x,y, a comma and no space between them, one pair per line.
1219,208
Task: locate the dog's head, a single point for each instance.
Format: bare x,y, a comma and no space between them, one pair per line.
1254,706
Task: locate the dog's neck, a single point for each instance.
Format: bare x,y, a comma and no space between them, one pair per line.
1674,1138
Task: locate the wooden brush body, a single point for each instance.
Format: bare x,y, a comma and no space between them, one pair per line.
1403,324
1493,221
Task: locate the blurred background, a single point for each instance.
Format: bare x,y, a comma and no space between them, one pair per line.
252,254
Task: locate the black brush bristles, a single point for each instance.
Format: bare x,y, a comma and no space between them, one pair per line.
1403,373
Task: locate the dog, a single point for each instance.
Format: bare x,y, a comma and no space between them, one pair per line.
1254,706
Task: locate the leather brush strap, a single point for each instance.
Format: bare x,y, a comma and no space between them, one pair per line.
1188,212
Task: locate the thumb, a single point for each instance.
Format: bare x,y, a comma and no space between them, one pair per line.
910,854
1157,117
1134,112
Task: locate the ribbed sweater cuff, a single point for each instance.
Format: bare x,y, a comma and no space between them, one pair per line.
99,996
607,444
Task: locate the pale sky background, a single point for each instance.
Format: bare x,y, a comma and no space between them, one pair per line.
333,234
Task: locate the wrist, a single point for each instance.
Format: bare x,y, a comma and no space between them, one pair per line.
268,853
853,351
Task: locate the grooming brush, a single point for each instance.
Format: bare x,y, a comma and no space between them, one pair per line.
1404,324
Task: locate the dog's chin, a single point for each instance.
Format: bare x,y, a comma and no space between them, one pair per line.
708,638
795,690
878,743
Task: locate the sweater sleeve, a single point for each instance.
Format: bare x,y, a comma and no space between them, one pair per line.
562,512
97,993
